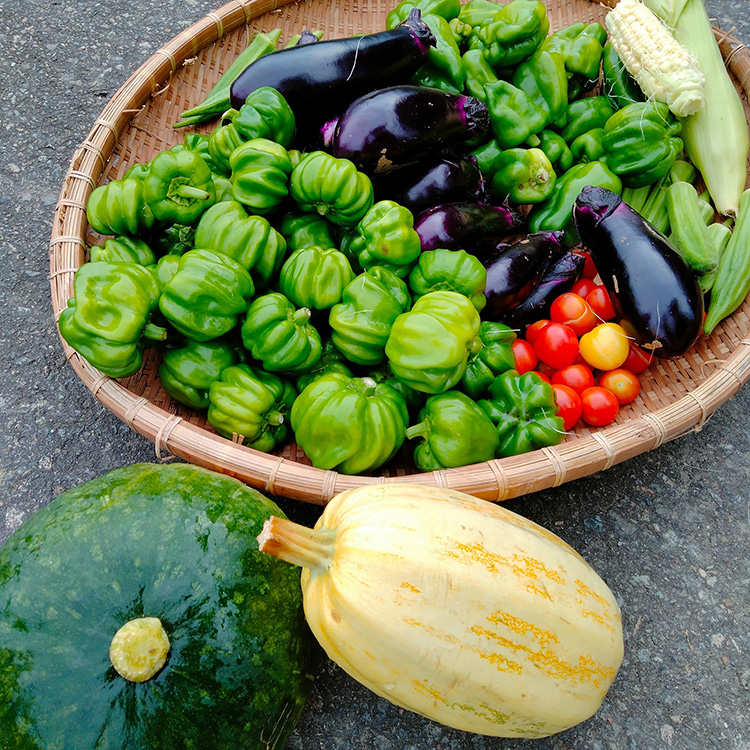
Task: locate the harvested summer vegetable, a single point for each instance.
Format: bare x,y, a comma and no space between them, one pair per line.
455,608
165,552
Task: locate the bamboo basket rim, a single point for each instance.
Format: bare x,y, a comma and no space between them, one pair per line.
174,436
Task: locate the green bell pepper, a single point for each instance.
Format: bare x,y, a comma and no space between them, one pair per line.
383,374
478,12
260,175
641,142
617,84
524,411
485,156
586,114
581,46
265,114
178,187
300,230
166,268
315,277
515,32
557,150
454,431
361,322
556,213
120,207
351,425
331,187
429,345
222,141
385,236
187,371
522,175
479,73
514,115
198,143
108,320
447,9
207,295
250,406
589,146
452,270
250,240
443,67
492,355
280,335
123,249
331,360
544,78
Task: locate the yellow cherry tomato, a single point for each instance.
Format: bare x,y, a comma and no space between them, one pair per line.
605,347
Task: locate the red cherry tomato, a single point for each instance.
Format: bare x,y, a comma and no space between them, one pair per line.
600,406
534,328
556,345
569,405
543,376
526,359
575,376
583,287
638,359
623,383
600,303
589,269
573,310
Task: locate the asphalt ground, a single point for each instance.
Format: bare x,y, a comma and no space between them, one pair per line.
668,530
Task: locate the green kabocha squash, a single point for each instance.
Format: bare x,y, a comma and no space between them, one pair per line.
137,612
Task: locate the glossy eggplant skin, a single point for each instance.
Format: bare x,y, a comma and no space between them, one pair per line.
559,277
474,227
655,296
319,80
443,179
400,125
516,268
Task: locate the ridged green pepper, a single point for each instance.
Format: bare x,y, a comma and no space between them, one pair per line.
331,360
108,319
544,78
478,12
250,240
641,142
206,296
248,403
265,114
454,431
492,355
123,249
586,114
315,277
187,371
166,268
556,213
352,425
524,411
429,345
557,150
383,374
479,73
522,175
581,47
515,32
514,115
588,146
485,156
179,187
361,322
617,84
447,9
452,270
385,236
119,207
260,175
301,229
280,335
443,67
198,143
332,187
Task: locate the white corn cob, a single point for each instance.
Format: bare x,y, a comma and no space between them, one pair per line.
664,69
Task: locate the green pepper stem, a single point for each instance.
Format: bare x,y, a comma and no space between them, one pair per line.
275,418
301,316
190,191
417,430
153,332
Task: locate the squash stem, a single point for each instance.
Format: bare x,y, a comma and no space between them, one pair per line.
297,544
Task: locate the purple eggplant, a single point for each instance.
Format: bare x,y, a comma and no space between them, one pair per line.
655,296
515,269
319,80
443,179
474,227
558,277
400,125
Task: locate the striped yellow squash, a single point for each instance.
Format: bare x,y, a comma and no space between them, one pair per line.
455,608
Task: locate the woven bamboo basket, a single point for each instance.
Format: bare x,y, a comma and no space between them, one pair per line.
677,397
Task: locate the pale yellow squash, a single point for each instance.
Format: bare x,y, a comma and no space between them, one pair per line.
455,608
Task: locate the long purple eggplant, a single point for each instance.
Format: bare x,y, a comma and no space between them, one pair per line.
474,227
559,277
399,125
655,296
516,268
321,79
442,179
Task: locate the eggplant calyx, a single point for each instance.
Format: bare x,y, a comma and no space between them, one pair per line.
476,115
422,32
596,203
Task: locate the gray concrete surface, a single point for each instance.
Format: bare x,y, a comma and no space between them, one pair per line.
668,531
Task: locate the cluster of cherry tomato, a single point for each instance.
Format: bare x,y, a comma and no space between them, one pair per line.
590,361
